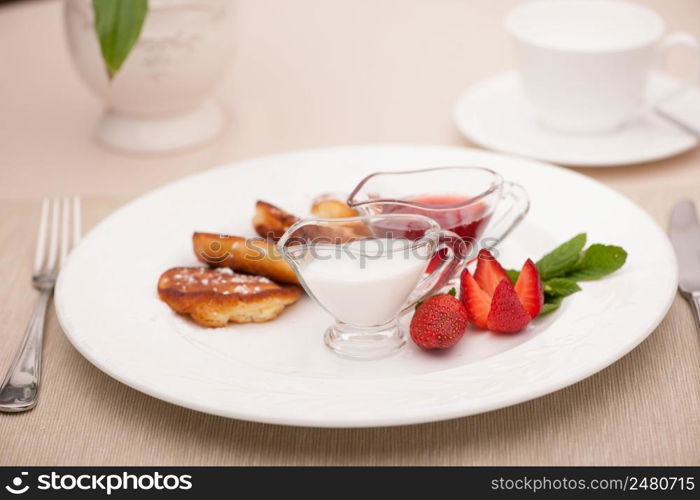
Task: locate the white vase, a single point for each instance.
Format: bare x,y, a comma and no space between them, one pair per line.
159,100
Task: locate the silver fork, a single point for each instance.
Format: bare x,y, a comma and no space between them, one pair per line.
59,230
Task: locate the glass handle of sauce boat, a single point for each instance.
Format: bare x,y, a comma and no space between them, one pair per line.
512,209
453,261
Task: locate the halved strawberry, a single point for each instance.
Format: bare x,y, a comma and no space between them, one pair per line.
489,272
507,314
475,300
529,289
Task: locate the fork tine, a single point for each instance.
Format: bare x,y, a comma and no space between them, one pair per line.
41,237
53,241
65,226
77,229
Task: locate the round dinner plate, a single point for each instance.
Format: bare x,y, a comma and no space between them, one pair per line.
496,114
280,371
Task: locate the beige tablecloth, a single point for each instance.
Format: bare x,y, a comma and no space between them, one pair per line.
288,90
644,409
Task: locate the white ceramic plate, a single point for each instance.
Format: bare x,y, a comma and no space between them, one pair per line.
280,371
495,113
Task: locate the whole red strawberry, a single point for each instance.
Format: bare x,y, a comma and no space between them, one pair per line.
439,322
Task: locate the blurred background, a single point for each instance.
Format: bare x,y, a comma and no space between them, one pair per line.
302,74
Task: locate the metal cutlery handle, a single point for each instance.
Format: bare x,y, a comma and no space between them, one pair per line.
20,388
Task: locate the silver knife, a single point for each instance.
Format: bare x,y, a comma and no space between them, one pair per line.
685,236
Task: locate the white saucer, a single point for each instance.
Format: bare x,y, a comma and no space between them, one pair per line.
495,114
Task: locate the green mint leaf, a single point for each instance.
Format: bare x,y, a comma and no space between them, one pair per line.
513,275
551,305
560,287
562,259
118,25
598,261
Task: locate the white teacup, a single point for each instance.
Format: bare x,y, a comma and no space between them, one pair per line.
585,63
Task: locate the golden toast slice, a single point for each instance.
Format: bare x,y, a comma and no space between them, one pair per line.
215,297
251,256
270,221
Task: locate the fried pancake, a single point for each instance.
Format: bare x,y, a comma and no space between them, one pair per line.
270,221
331,206
252,256
215,297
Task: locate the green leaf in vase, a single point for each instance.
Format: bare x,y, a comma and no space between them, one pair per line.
118,25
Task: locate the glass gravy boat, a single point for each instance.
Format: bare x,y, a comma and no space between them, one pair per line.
476,203
365,271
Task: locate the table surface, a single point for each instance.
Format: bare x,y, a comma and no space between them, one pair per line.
302,77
